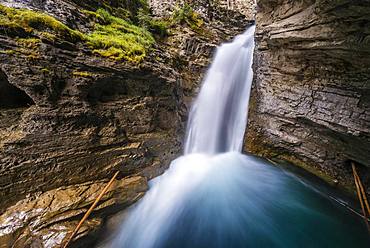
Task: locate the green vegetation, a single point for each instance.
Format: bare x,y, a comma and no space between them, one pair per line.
82,74
31,21
126,38
9,52
155,26
187,15
111,37
45,70
28,42
124,14
131,8
119,39
48,36
89,13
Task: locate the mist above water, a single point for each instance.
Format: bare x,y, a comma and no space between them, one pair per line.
232,200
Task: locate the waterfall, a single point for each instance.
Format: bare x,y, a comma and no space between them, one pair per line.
218,117
214,196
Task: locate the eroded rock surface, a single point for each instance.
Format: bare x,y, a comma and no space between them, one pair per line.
211,9
51,217
310,101
79,117
91,116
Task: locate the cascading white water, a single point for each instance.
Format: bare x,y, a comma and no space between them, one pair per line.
214,196
216,124
218,117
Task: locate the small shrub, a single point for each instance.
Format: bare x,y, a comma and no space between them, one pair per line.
186,15
155,26
134,6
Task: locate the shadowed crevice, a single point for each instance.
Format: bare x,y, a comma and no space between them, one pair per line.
11,96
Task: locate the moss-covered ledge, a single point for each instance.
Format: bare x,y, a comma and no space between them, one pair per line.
110,37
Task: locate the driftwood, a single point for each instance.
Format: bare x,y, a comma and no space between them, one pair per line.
361,196
90,209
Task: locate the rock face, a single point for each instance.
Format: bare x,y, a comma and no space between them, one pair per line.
194,49
51,216
310,101
209,9
87,118
70,118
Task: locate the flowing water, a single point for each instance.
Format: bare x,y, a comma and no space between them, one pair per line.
218,117
214,196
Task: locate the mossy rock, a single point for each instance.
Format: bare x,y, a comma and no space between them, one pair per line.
119,39
24,21
158,26
84,74
28,42
112,37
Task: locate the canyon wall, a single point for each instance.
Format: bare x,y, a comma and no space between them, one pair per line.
310,102
71,115
207,8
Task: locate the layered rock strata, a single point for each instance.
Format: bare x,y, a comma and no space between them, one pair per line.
310,102
69,118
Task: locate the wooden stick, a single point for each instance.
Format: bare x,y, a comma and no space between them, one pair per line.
362,191
360,196
90,209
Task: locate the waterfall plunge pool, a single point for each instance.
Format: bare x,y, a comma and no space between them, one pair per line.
215,197
236,201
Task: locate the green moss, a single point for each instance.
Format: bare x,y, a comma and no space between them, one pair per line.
48,36
33,56
33,21
119,39
27,52
131,8
187,15
349,188
91,14
112,52
82,74
29,42
124,14
111,37
9,52
45,70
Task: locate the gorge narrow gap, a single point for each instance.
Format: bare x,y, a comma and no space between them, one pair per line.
214,196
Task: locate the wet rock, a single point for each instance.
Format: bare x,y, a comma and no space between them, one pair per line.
86,116
47,219
310,100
